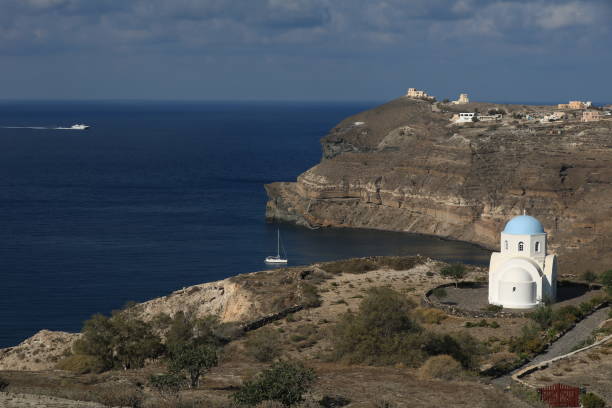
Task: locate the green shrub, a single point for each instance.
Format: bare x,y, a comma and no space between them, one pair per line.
590,400
441,367
529,342
494,325
81,364
379,332
461,346
285,382
494,308
543,316
264,345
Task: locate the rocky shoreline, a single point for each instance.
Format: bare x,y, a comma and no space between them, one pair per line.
404,167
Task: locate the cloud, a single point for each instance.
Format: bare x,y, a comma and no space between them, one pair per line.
51,26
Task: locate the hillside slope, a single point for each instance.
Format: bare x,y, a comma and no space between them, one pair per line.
402,166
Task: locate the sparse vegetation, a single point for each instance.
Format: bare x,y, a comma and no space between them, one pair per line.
590,277
442,367
429,315
168,385
264,345
363,265
81,364
285,382
384,332
310,296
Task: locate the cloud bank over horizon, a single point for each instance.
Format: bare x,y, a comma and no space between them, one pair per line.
515,50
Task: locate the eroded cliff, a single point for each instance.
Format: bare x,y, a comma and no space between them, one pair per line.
402,166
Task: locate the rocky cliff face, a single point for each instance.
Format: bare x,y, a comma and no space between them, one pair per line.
403,167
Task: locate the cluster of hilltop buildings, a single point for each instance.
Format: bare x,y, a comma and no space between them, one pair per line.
419,94
565,111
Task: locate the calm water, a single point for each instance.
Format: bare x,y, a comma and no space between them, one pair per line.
155,197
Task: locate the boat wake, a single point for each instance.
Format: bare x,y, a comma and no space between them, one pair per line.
74,127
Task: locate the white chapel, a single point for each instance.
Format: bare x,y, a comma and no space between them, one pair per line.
522,275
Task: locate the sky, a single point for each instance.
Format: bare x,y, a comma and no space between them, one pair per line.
323,50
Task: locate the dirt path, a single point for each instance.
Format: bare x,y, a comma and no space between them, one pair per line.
564,345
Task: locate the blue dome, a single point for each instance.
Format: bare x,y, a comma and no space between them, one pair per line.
524,224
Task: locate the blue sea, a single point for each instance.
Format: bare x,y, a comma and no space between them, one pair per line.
154,197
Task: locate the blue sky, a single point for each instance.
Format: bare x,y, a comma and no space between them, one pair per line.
512,50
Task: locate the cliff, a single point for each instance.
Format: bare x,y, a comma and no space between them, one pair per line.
402,166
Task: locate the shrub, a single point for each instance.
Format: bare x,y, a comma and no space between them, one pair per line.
442,367
264,345
167,385
81,364
285,382
461,346
3,384
380,332
310,296
494,325
589,277
118,396
429,315
454,271
334,401
529,342
494,308
590,400
606,281
543,316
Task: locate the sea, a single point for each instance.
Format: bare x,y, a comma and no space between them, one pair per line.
157,196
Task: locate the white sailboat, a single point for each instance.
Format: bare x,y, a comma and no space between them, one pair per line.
277,259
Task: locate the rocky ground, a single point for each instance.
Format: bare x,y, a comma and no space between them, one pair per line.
304,335
406,168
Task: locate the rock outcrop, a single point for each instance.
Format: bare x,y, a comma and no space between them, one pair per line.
39,352
402,166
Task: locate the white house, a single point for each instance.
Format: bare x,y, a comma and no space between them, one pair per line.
522,275
463,117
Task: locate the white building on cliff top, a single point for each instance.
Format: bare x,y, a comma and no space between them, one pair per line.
522,275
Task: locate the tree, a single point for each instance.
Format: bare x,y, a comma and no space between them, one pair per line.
121,340
454,271
194,358
285,382
590,400
589,277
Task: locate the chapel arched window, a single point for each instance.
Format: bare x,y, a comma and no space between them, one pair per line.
537,247
506,245
521,246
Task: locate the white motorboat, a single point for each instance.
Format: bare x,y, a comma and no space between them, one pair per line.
277,259
79,126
